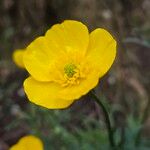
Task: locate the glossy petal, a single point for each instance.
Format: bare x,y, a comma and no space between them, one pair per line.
18,57
28,143
61,38
102,50
38,59
68,36
45,94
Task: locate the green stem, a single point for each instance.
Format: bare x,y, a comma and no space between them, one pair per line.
107,120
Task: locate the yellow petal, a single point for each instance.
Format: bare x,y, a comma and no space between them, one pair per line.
18,57
68,36
38,59
45,94
102,50
78,90
28,143
61,38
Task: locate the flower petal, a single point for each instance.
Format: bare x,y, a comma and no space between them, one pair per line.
28,142
38,59
68,36
102,50
45,94
18,57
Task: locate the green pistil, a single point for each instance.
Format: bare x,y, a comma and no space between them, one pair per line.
69,70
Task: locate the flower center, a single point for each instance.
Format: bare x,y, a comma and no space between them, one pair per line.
70,69
71,74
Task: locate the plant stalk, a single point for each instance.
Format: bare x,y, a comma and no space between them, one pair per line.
107,120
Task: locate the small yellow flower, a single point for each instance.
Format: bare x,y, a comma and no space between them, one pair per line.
18,57
66,63
29,142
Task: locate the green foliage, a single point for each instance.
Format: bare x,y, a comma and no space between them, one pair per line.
56,129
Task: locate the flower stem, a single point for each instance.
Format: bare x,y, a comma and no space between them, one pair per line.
107,120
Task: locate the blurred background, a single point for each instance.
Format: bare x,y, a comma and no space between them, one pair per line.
125,89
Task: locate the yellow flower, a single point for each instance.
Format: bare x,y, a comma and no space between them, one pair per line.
18,57
66,63
28,143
